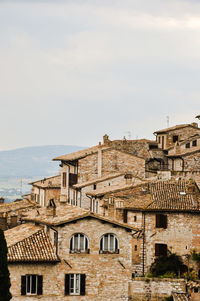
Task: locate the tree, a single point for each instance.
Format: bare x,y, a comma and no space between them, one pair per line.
5,284
171,263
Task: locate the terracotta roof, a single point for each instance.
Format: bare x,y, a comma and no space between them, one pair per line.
97,180
137,140
51,182
173,195
67,213
81,153
176,127
16,205
180,296
115,188
28,243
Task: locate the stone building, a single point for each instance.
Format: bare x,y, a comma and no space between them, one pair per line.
70,255
98,163
166,214
11,213
44,190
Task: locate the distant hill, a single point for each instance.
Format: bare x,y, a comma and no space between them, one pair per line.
30,162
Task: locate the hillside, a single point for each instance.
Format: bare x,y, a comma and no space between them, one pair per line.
32,162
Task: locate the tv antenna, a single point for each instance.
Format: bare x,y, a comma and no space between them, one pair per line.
167,121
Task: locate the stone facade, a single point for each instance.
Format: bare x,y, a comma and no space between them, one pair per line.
107,275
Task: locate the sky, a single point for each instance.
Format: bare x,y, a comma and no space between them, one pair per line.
74,70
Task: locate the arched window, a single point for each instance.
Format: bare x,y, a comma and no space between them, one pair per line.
79,243
109,244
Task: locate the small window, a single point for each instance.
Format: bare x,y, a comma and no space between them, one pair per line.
75,284
95,186
109,244
125,216
194,143
55,239
94,205
161,221
158,139
135,248
187,145
31,285
135,218
64,179
175,138
160,250
196,290
79,243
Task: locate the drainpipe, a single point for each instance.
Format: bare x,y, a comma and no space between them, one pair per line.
143,242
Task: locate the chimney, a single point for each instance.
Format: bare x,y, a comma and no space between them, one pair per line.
99,163
106,139
194,124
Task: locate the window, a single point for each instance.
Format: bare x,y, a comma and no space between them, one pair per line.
31,285
109,244
161,221
55,236
175,138
135,248
95,186
135,218
187,145
160,250
94,205
64,177
75,284
72,179
125,216
79,243
158,139
194,143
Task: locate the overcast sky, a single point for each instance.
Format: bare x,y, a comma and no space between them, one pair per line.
71,71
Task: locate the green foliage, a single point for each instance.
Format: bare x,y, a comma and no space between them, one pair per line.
5,294
196,256
191,275
167,266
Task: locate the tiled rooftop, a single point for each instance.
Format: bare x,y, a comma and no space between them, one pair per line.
180,126
180,296
173,195
81,153
51,182
67,213
16,205
28,243
98,180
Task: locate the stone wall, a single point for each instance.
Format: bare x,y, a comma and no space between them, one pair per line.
107,275
154,289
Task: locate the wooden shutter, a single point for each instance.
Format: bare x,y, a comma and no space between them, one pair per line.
157,220
66,284
163,250
23,285
125,216
40,285
157,250
165,221
82,288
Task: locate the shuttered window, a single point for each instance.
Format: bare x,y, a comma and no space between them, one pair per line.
75,284
161,221
72,179
64,179
160,250
31,285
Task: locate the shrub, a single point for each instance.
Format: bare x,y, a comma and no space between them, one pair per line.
167,265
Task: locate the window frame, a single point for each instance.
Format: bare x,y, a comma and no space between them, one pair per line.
108,250
27,285
85,250
161,221
78,287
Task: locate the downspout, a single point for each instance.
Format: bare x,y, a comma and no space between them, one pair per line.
143,247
